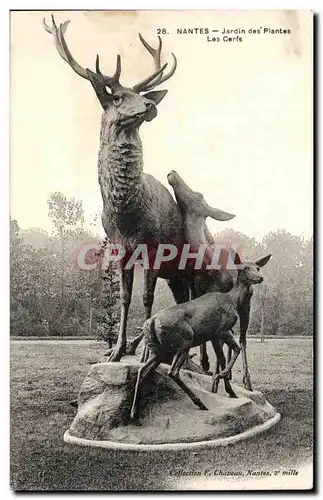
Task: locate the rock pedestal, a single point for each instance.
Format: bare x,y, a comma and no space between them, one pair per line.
167,416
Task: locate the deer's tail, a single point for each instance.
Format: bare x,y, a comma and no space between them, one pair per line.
151,339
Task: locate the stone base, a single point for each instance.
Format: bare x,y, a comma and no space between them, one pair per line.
168,419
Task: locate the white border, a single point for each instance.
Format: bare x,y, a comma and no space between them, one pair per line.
315,5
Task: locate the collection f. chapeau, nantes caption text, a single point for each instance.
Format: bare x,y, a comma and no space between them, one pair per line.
234,473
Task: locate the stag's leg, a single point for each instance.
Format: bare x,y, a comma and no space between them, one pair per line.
218,349
246,375
180,289
244,322
229,356
126,282
150,279
204,359
178,362
143,372
215,382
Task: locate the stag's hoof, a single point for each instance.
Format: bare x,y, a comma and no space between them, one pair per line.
215,387
247,383
229,389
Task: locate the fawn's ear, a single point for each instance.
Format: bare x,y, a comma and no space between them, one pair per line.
104,97
262,262
156,95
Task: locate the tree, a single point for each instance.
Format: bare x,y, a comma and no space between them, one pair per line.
248,248
107,307
67,217
282,305
107,300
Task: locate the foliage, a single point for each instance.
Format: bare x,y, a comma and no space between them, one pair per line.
107,306
287,292
51,295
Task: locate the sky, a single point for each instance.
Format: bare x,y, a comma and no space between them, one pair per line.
236,123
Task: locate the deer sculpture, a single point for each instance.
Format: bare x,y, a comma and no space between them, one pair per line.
209,317
243,309
137,209
178,328
194,210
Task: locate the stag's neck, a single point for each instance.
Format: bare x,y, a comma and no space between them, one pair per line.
120,166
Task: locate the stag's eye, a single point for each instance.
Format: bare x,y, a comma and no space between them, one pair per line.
117,100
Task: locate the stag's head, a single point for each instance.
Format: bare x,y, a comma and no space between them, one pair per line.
129,107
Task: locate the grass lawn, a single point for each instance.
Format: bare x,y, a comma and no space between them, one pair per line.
45,376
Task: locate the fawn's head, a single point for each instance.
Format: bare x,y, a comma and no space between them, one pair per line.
192,203
127,107
248,273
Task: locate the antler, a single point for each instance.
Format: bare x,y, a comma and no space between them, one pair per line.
54,31
110,81
157,78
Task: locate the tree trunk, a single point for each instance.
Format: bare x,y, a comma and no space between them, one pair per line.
91,314
62,272
262,324
262,332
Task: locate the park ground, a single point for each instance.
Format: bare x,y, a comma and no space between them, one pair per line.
45,376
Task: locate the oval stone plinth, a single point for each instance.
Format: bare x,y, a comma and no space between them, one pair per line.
167,418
